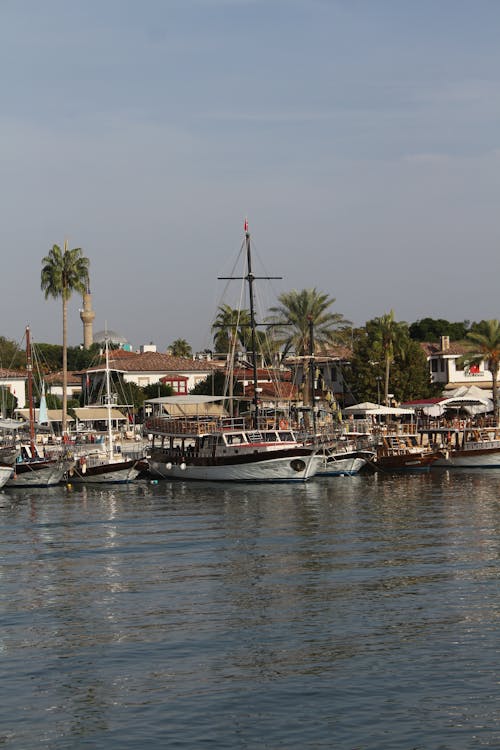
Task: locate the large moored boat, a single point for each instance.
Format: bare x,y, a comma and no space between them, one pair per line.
226,449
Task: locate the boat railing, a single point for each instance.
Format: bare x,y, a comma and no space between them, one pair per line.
183,426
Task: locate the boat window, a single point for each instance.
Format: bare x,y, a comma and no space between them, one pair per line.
270,437
235,438
286,436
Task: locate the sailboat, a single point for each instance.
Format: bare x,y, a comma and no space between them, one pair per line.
33,468
229,449
104,466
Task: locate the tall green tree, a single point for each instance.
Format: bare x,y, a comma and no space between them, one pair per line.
11,357
64,272
231,326
300,315
292,320
180,348
486,345
391,337
410,376
430,329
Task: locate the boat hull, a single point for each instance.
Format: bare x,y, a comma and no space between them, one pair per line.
280,466
106,473
37,474
5,474
407,462
342,464
470,459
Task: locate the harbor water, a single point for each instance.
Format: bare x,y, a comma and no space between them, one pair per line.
355,613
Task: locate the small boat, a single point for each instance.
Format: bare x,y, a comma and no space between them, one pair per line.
5,473
467,448
343,459
404,453
104,466
32,468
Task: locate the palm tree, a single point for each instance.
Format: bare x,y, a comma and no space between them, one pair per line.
391,336
180,348
301,315
64,272
292,320
231,325
486,342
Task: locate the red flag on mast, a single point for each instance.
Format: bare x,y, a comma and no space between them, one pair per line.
246,225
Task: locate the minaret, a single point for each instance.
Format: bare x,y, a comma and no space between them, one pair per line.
87,316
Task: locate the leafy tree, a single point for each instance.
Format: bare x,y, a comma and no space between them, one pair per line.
214,385
430,329
410,373
11,357
180,348
8,402
64,272
53,401
157,390
390,337
486,343
132,394
48,357
365,377
80,358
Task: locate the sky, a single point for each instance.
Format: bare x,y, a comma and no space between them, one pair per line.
361,139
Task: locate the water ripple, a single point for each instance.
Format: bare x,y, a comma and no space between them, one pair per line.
355,613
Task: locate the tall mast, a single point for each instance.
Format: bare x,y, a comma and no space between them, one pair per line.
108,402
311,373
29,370
250,278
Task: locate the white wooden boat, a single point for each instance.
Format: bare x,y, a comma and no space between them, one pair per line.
104,466
5,473
33,468
344,460
227,450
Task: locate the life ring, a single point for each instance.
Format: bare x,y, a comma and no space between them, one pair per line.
283,424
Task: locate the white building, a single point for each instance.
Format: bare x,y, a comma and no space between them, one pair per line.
150,368
446,365
14,381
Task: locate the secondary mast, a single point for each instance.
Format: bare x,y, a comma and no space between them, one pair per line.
29,370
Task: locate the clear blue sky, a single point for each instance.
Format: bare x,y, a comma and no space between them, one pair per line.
361,138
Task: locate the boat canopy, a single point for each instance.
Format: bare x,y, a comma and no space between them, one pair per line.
370,409
12,424
184,400
189,406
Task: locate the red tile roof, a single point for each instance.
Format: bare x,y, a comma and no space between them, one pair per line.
4,373
455,348
281,391
56,378
154,362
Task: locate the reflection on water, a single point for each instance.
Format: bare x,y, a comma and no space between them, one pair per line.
348,612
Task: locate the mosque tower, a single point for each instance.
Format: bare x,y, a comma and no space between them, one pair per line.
87,316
